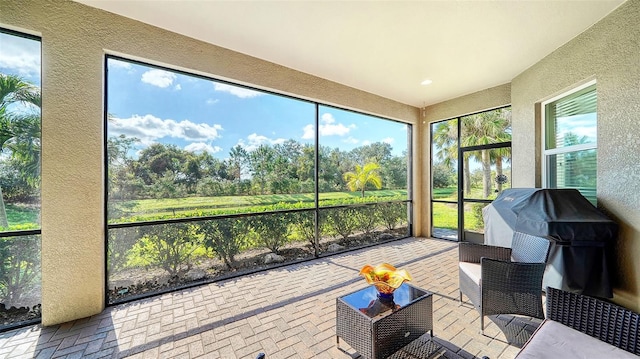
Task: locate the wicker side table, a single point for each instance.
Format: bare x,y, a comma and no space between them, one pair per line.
377,329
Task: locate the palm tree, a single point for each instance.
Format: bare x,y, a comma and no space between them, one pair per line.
479,129
20,130
445,138
362,176
483,129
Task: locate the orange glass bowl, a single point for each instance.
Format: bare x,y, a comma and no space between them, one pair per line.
385,277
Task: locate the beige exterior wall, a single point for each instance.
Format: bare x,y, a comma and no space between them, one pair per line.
488,99
75,39
608,52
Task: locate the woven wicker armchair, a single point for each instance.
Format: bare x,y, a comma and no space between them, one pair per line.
499,280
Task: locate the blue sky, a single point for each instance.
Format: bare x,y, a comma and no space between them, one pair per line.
20,56
197,114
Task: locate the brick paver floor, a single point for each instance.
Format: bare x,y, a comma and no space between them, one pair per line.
287,312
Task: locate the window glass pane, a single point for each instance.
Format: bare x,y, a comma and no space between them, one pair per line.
362,158
486,172
473,220
444,160
486,128
186,146
359,225
236,168
444,220
572,120
20,123
576,169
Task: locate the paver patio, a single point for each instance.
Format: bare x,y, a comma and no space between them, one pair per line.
287,312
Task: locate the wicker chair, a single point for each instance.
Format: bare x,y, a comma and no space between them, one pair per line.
499,280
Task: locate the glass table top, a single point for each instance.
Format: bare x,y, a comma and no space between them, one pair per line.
367,301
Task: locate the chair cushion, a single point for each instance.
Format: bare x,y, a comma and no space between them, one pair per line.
472,270
554,340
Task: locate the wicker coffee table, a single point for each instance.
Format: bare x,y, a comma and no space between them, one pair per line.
376,328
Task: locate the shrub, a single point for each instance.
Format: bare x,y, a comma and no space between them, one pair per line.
121,241
341,221
303,225
20,267
169,246
476,213
272,229
366,218
392,214
226,237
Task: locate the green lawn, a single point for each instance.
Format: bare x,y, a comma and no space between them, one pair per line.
22,217
149,209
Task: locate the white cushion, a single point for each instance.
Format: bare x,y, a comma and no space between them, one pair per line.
472,270
554,340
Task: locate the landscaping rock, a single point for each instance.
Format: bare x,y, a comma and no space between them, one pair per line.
273,258
335,247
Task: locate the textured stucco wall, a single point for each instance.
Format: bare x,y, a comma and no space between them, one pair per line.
494,97
608,52
75,39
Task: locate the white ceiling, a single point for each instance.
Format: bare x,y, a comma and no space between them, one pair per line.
384,47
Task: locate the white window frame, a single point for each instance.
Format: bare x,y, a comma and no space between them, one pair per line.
546,153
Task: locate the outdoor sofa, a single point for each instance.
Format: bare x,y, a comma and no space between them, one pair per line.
579,326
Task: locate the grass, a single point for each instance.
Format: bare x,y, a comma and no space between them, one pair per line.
152,209
444,215
191,203
22,217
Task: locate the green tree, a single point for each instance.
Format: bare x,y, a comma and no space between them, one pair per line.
238,159
445,140
362,176
261,164
378,152
480,129
483,129
119,163
20,130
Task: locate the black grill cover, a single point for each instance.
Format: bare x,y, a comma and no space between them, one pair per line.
581,236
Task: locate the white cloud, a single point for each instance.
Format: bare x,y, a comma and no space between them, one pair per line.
177,87
160,78
237,91
351,139
212,101
366,142
149,128
117,64
328,127
388,140
254,141
308,132
20,56
202,147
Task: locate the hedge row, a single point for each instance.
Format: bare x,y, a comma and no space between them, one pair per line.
175,247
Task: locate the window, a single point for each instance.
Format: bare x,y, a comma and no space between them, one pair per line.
208,179
570,151
19,178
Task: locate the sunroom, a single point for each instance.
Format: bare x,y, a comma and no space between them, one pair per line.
122,170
